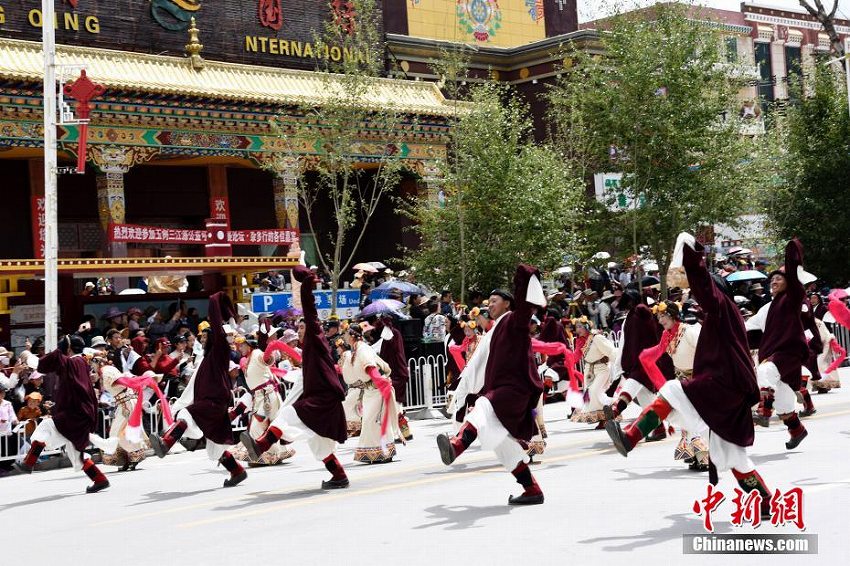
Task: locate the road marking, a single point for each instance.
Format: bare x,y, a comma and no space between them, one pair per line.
367,476
369,491
472,459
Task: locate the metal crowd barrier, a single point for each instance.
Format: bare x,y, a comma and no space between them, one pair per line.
427,386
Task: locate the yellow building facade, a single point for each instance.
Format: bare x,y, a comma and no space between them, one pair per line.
497,23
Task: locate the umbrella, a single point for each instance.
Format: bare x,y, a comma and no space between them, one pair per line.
749,275
601,255
739,251
377,265
381,306
645,282
564,270
403,286
367,267
741,300
649,266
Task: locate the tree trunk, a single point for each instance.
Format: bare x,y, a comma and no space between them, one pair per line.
827,20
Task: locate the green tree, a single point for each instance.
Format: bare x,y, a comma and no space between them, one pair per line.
505,200
658,107
812,201
356,136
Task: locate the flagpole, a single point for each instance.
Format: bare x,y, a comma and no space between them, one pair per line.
51,243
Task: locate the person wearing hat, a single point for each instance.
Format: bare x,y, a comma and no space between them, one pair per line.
263,397
30,413
597,351
74,412
202,409
679,341
716,400
317,415
129,451
332,335
640,331
503,416
134,317
757,297
782,349
99,343
390,347
114,318
363,370
829,360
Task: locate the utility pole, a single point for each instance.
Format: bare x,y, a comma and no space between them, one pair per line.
51,236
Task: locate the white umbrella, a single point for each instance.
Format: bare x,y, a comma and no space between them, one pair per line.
601,255
564,270
378,265
367,267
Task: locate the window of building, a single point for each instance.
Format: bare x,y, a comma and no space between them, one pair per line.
794,70
732,49
766,80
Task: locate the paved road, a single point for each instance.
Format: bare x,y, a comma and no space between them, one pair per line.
416,511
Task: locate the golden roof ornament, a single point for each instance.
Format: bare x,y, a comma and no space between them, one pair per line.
194,47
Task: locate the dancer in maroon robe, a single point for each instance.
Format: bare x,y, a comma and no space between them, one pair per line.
503,415
392,352
716,400
317,416
783,349
74,413
816,346
640,332
202,410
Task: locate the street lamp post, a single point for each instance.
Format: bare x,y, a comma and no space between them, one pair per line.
51,239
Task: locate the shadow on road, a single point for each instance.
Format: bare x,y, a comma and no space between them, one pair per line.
263,497
681,524
38,500
461,517
160,496
661,474
764,458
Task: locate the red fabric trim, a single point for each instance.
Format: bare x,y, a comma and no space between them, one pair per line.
650,356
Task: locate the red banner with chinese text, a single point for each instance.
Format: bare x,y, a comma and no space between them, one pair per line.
132,233
37,208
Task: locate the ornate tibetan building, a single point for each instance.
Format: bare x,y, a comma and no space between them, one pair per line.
182,140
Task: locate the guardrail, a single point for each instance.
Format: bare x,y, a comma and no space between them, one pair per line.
427,386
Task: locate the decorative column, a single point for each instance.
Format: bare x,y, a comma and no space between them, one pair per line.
780,71
112,162
219,222
432,179
285,188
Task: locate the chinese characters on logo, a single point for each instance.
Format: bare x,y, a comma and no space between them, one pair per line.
785,508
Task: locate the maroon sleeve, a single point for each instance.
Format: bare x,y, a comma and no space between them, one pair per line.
523,310
308,300
52,362
702,287
793,260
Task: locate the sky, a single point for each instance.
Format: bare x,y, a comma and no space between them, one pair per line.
592,9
